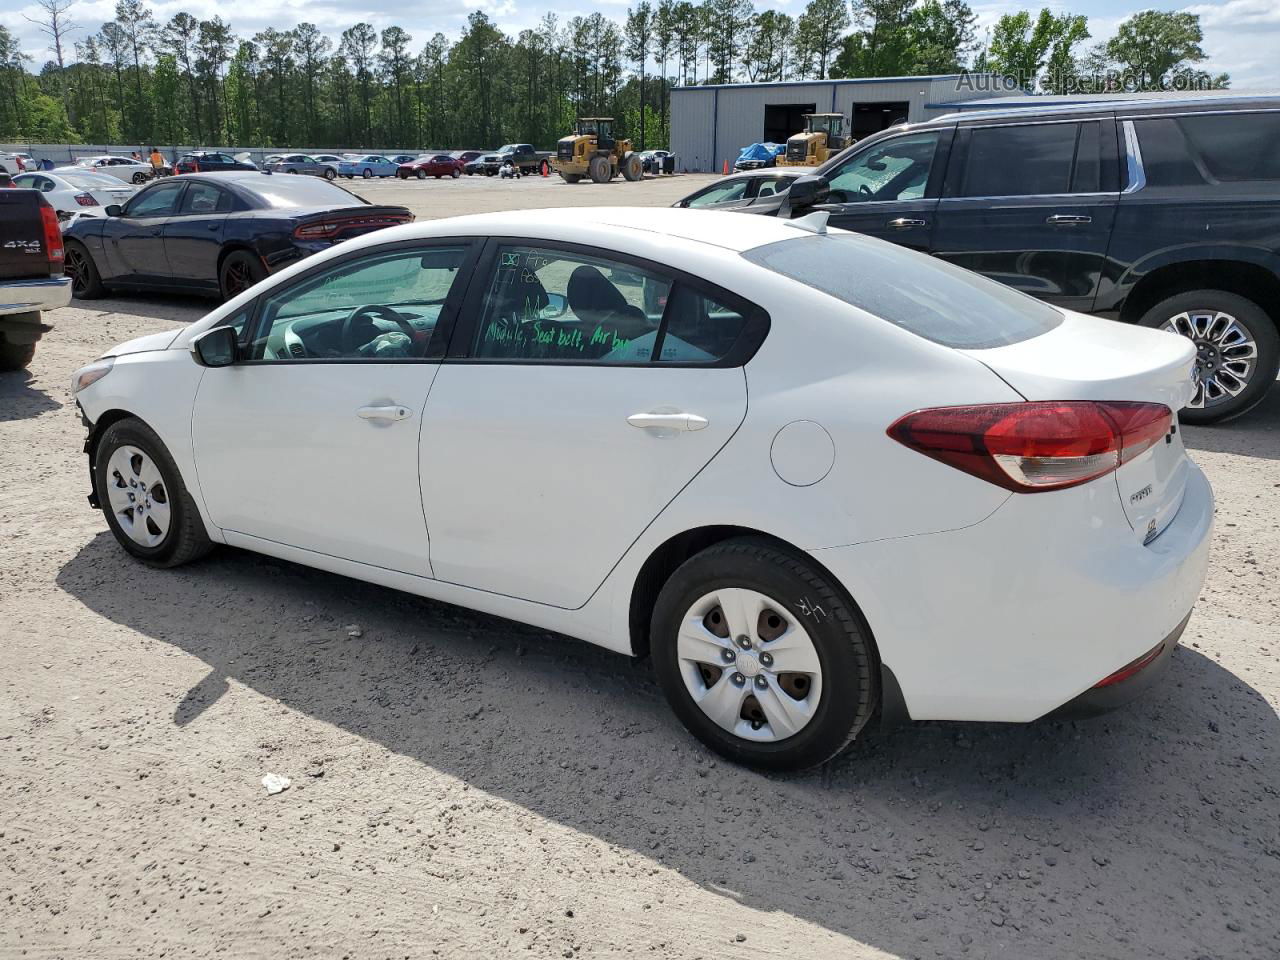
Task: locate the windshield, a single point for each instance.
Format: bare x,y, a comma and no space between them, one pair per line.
284,191
931,298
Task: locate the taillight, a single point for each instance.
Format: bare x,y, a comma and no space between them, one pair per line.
86,200
1035,446
1135,666
315,231
328,229
52,237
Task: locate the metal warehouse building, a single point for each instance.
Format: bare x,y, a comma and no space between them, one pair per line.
711,124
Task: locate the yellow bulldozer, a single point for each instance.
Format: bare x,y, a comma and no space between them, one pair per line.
823,135
591,151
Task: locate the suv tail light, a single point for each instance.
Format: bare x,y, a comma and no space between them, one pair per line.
86,199
1035,446
52,237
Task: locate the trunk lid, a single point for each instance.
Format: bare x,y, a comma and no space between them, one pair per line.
23,253
1089,358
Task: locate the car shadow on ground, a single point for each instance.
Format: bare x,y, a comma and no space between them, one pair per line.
1254,434
1149,832
160,306
20,399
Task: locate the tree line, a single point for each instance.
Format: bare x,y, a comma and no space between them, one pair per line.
136,79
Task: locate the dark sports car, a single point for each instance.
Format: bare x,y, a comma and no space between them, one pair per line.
215,233
202,161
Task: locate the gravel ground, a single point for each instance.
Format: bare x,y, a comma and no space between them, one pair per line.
466,787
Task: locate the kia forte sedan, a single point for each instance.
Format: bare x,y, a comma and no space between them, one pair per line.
819,478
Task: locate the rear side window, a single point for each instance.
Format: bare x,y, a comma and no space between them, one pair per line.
1031,160
1210,148
930,298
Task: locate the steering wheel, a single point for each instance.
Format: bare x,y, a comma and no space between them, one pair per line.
363,317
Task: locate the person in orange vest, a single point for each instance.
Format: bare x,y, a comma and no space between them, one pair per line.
157,162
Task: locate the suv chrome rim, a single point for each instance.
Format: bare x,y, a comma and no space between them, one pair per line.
749,665
138,496
1225,354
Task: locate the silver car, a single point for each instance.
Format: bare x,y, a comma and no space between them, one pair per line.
302,163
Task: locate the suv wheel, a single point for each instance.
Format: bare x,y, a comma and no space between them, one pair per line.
1237,350
760,656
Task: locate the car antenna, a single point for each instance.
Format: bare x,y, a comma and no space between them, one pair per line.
815,222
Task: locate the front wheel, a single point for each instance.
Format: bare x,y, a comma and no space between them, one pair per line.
15,356
632,167
600,170
330,174
456,173
570,177
367,173
1237,350
422,174
146,504
761,657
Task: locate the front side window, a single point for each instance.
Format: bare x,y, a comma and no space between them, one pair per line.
720,193
895,169
1030,160
383,306
547,304
159,201
771,188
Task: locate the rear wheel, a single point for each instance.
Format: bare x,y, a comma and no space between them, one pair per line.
570,177
144,499
86,283
1237,350
292,170
600,170
632,167
140,177
761,657
15,356
240,271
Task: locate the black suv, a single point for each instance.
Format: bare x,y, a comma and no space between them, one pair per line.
1159,212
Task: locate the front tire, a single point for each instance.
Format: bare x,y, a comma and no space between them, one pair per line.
140,178
456,173
367,173
570,177
632,167
1237,350
330,175
86,282
600,170
761,656
422,174
146,504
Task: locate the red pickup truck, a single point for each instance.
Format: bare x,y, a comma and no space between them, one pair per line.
31,279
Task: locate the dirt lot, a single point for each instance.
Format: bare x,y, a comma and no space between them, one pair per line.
466,787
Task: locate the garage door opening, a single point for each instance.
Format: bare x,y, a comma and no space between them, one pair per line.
782,120
869,118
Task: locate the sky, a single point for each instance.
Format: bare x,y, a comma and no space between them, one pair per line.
1241,37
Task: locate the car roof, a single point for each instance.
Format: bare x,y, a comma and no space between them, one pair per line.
1137,103
731,231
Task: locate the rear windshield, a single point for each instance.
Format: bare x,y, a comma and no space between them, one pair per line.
279,190
930,298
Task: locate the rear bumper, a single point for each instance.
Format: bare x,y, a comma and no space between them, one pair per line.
1015,616
24,296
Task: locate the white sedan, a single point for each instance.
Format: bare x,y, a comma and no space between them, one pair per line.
819,478
122,168
72,191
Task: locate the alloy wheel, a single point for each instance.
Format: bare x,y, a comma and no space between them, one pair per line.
73,263
1226,354
749,665
138,496
238,278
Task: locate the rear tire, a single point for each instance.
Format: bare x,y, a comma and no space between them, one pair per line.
1237,350
140,178
600,170
164,529
831,690
570,177
632,167
86,282
15,356
239,271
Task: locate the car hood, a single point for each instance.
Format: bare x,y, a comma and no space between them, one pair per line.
152,341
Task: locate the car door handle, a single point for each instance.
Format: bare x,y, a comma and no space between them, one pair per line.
668,421
907,222
1068,218
384,413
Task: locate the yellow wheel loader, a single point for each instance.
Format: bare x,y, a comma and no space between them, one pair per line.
823,135
591,151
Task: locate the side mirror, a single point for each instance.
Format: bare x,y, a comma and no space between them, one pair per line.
215,348
557,306
808,191
113,210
